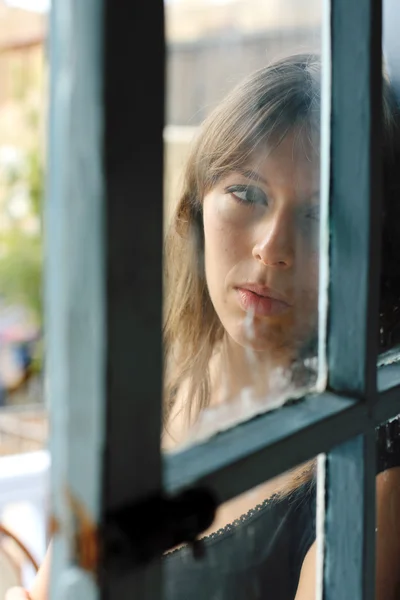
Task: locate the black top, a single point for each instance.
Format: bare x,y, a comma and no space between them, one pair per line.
260,555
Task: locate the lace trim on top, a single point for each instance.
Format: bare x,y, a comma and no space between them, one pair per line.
230,528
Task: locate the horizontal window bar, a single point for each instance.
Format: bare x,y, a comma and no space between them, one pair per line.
257,450
388,404
388,378
261,448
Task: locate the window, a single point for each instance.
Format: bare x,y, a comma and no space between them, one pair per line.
105,361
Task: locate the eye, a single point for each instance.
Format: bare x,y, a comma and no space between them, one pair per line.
248,194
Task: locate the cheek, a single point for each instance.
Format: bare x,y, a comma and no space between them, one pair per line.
313,271
307,262
306,283
223,240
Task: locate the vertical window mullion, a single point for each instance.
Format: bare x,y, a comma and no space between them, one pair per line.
354,288
349,570
74,290
355,207
133,161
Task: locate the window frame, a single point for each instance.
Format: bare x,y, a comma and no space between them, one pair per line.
107,348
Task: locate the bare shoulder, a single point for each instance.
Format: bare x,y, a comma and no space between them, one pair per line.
306,589
388,534
387,543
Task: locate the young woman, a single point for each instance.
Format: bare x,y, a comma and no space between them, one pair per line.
241,313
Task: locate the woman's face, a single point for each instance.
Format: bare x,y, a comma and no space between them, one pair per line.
261,248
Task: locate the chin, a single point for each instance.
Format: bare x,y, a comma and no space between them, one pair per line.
262,337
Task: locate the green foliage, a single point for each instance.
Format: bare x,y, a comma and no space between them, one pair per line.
35,181
21,249
21,271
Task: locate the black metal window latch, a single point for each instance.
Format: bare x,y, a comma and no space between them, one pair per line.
137,534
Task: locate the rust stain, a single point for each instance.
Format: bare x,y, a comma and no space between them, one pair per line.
53,526
86,536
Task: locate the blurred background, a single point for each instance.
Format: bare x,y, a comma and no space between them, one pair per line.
24,462
211,45
23,109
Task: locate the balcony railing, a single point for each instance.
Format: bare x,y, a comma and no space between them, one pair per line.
24,479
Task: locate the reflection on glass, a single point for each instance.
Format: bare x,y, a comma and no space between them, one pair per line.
388,434
256,546
389,307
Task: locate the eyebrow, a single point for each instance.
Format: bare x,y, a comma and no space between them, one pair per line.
254,176
250,174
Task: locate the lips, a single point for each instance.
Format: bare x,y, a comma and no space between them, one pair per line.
261,300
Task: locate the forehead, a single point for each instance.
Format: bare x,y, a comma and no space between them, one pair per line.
293,161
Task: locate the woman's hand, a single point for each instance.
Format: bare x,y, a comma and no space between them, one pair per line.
39,587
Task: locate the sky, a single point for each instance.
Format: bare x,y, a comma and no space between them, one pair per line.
44,5
33,5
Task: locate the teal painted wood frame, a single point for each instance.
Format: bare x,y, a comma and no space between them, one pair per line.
355,257
133,100
103,274
75,291
104,296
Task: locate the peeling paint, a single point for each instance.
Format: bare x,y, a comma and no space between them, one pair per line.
53,527
86,547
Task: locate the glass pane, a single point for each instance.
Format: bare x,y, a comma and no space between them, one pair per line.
257,546
389,307
390,284
388,509
242,207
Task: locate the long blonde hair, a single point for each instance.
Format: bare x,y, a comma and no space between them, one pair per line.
262,108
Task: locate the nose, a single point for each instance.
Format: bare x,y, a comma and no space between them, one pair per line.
274,246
